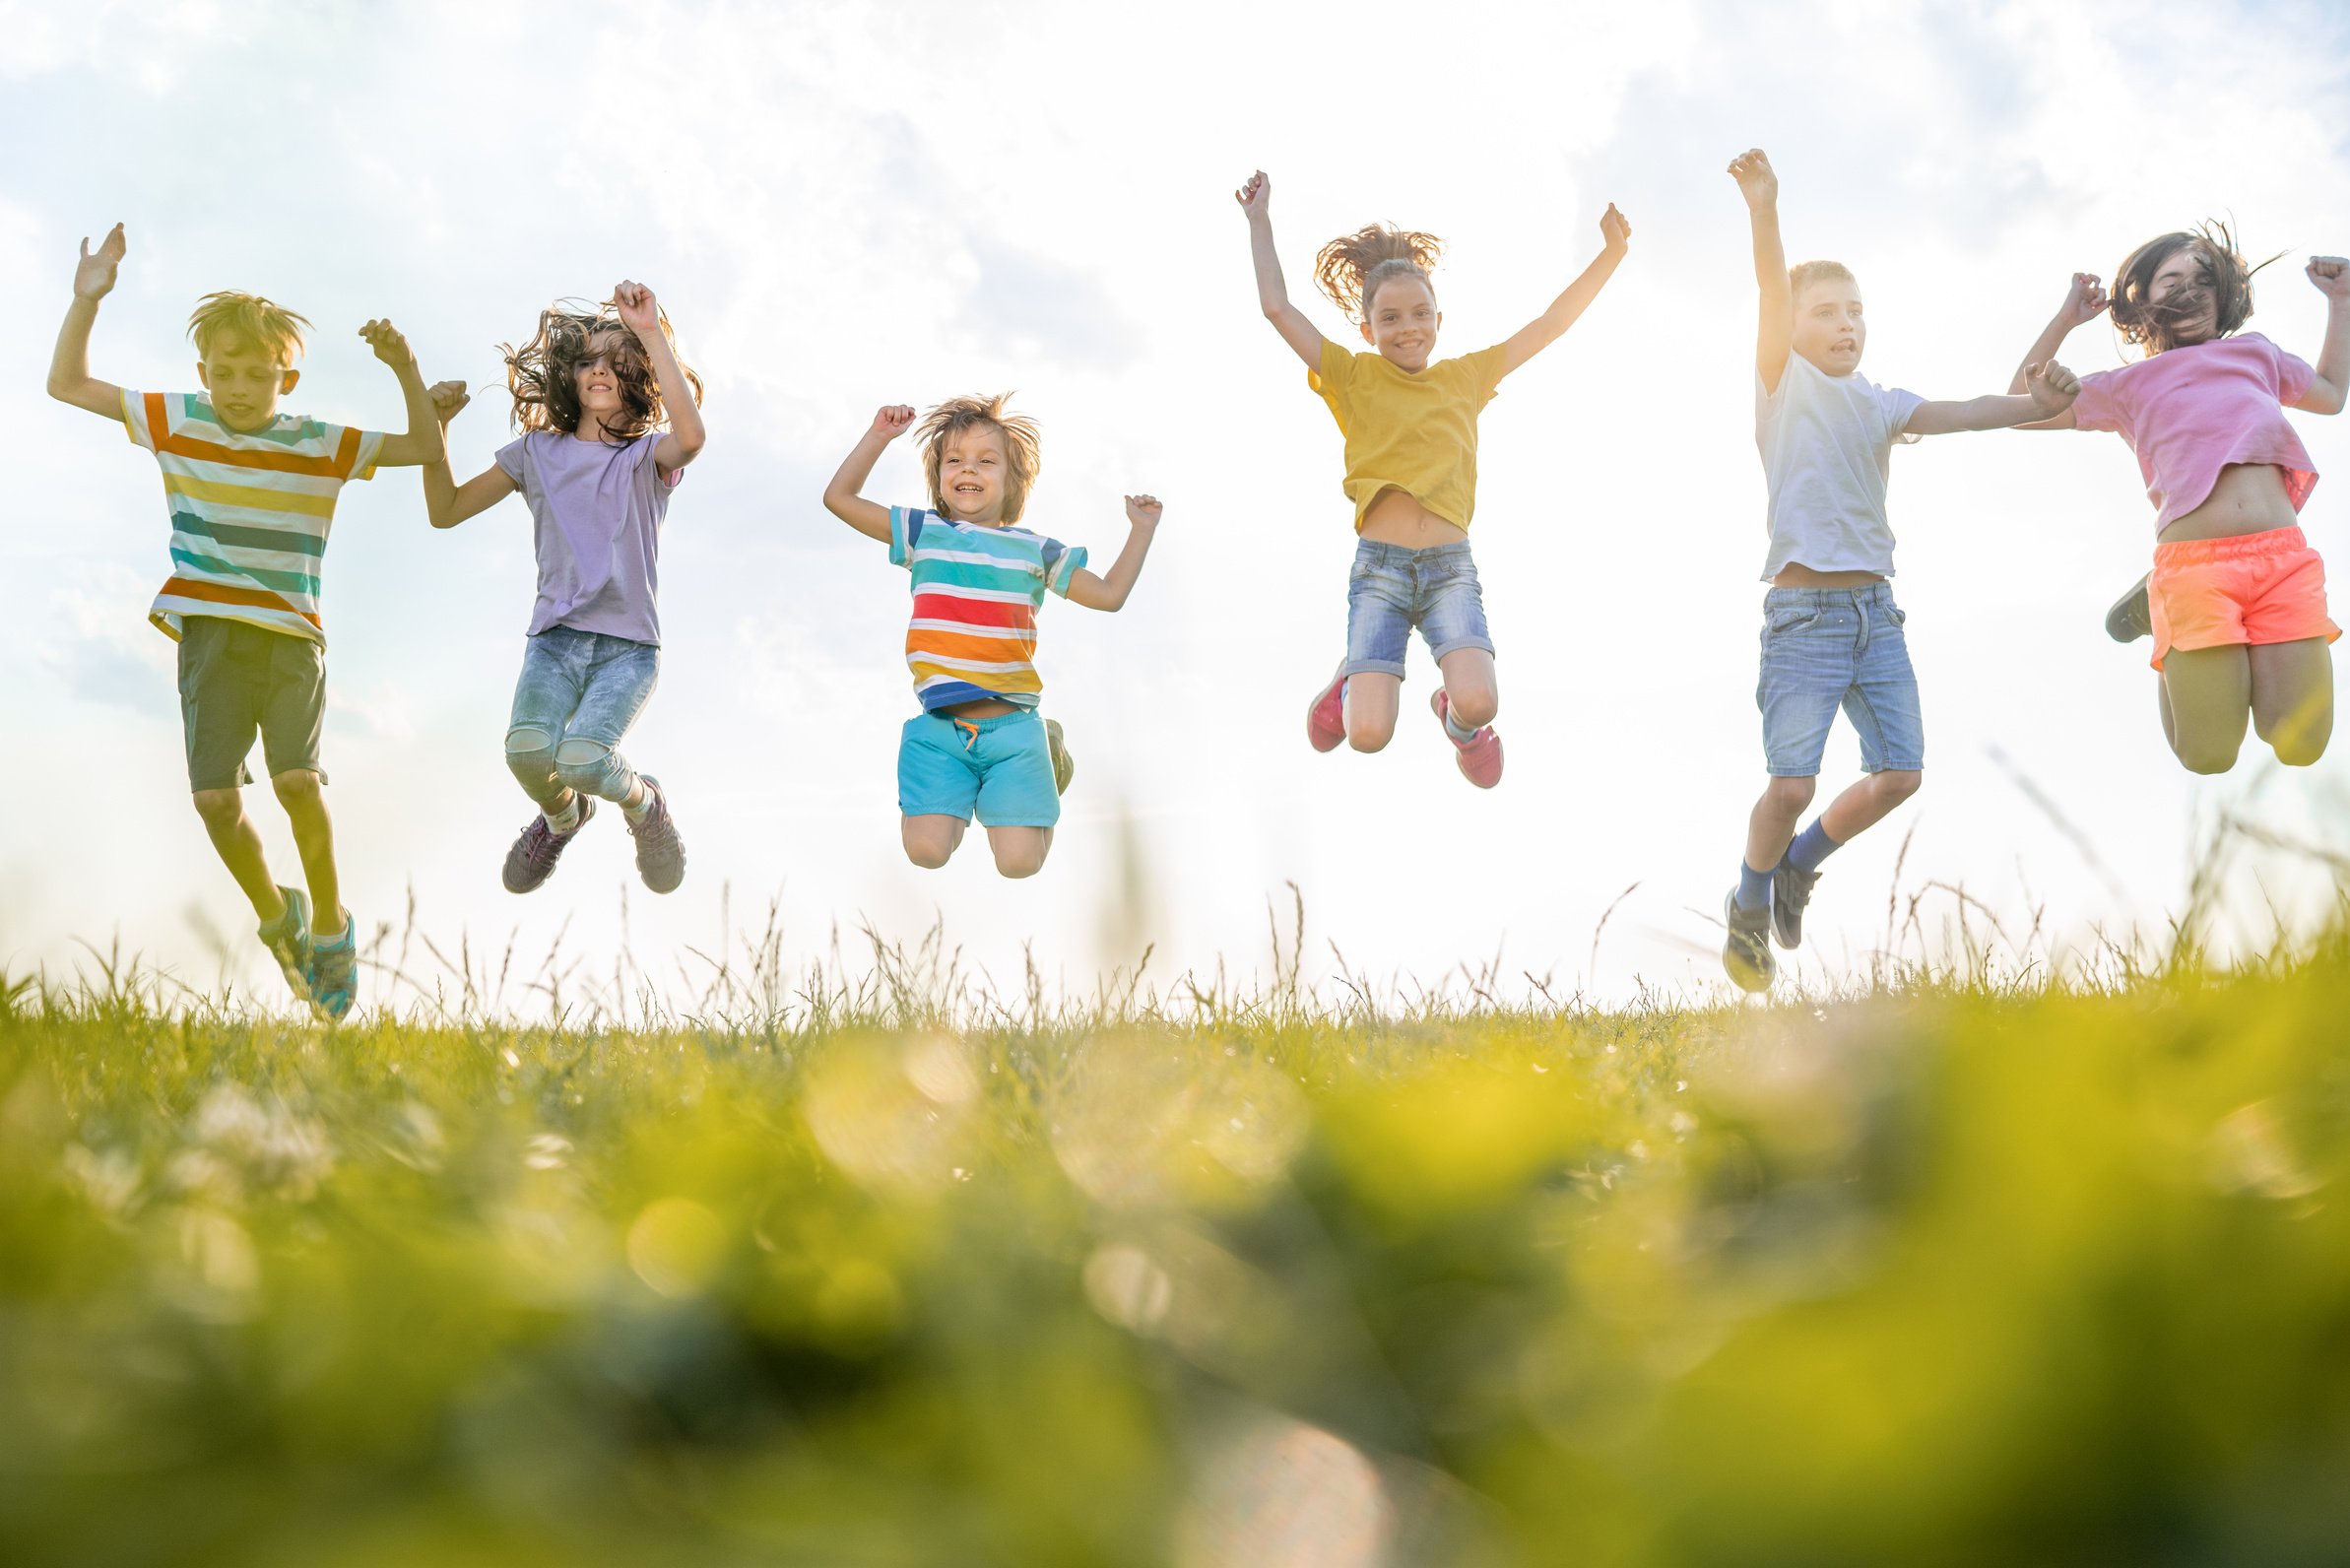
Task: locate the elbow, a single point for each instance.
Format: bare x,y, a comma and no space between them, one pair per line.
689,443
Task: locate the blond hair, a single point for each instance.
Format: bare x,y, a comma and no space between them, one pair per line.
1351,268
1804,273
1021,445
230,314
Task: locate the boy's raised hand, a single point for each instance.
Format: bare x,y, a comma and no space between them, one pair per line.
1757,181
2330,274
1144,510
2052,387
639,311
1255,194
449,398
389,346
893,420
1615,230
93,274
2084,302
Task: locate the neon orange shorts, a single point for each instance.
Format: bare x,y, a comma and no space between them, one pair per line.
2254,588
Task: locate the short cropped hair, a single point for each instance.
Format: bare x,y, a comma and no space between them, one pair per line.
1022,447
229,315
1804,273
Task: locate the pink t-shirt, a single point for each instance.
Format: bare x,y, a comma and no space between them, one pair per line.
2189,412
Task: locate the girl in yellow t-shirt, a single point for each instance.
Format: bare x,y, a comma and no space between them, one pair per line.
1411,469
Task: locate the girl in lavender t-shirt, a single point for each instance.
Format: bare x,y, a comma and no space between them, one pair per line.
608,418
2237,598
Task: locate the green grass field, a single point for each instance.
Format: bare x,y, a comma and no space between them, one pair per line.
1950,1272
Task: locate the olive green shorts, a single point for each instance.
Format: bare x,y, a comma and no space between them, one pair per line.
235,679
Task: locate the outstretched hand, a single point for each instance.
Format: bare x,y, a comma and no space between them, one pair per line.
2051,386
893,420
389,346
1757,181
2084,302
2331,275
1144,510
449,398
1255,194
639,311
1615,230
93,274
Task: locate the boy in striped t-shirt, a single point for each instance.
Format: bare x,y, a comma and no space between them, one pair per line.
251,493
978,581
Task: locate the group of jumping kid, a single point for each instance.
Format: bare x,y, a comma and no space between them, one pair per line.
609,418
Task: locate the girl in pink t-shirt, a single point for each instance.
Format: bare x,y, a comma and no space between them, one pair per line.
2236,597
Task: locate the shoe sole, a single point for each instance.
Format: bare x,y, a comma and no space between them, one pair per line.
1317,737
2125,622
1768,968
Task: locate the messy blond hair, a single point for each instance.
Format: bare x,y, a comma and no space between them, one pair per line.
230,314
1021,445
1804,273
541,374
1351,268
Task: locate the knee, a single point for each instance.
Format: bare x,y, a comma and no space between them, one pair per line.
928,847
587,766
1895,785
220,808
2301,750
1023,859
528,745
1473,708
1789,796
296,788
1368,734
2204,757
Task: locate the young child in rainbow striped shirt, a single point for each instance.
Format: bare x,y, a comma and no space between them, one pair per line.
252,495
978,581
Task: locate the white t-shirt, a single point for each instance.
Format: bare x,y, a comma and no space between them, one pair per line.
1826,441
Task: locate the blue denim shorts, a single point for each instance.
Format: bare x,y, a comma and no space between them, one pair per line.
1000,769
1830,648
1394,589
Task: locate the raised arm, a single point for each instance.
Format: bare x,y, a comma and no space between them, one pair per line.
641,314
1109,591
1615,238
2331,276
69,380
841,496
2048,391
2084,302
1273,293
424,441
1775,331
447,502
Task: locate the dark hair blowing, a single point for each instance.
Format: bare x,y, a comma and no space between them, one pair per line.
542,374
2152,325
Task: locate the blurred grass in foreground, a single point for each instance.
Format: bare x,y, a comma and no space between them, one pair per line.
1959,1272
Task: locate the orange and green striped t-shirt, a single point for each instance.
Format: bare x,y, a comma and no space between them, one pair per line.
251,510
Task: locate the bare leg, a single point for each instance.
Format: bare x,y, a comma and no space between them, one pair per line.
1471,689
239,844
1372,699
930,838
2293,699
2209,696
314,838
1772,826
1870,802
1020,851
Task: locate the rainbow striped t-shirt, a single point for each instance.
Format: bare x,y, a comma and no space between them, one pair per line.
976,593
249,510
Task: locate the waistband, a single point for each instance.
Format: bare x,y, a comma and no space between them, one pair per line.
982,726
2238,547
1379,553
1874,593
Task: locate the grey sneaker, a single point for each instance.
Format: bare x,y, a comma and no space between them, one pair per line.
335,972
1746,953
2132,616
531,858
660,853
1065,766
1790,896
288,940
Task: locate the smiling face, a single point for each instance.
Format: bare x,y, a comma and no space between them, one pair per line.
245,381
1830,330
1399,320
974,465
597,383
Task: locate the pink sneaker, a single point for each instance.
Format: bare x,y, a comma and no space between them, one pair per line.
1326,719
1479,756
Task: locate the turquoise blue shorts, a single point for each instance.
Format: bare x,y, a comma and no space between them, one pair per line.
999,768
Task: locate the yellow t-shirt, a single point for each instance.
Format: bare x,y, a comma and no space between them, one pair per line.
1417,433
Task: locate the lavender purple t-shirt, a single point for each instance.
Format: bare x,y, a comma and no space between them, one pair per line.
596,510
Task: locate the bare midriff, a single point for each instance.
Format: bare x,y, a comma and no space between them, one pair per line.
2248,498
1795,574
1397,517
978,708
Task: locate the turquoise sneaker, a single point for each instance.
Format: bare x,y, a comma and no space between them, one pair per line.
288,939
335,972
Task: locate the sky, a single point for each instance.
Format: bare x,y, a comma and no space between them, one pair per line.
846,205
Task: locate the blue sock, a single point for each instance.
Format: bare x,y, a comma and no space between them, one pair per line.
1812,846
1754,886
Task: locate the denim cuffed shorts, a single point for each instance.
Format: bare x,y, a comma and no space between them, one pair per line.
1830,648
1393,589
1000,768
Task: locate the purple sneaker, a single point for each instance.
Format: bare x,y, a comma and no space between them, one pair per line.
660,853
535,849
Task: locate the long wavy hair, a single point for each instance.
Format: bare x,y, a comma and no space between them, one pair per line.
1351,268
1022,448
2151,325
542,374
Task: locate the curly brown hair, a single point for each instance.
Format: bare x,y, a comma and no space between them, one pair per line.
1351,268
542,374
2150,324
1022,447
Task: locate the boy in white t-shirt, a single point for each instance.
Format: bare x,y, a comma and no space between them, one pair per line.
1832,636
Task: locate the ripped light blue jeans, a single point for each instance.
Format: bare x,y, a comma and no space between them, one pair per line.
579,692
